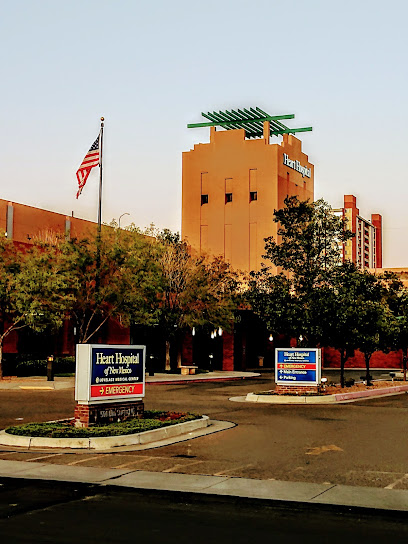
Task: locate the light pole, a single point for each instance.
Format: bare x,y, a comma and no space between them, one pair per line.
120,217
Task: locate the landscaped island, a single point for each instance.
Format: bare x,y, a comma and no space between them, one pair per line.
152,419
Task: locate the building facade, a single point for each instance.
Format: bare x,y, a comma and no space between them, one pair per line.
233,184
365,248
23,225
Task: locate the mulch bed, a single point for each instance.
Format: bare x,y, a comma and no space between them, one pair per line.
378,384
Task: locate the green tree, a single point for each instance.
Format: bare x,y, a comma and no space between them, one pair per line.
397,300
114,275
357,315
34,289
307,251
195,291
308,244
271,297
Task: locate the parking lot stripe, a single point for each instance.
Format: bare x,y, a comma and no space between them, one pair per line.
138,460
44,457
399,481
222,472
87,459
181,465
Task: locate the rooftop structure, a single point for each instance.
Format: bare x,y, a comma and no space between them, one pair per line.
251,120
233,184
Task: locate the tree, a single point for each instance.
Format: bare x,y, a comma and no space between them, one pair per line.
271,297
307,250
357,315
327,303
195,291
114,275
397,300
34,289
309,242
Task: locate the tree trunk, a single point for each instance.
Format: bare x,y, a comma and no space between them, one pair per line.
343,357
367,357
404,363
167,365
1,358
179,348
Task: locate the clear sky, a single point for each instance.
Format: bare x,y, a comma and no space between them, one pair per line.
152,67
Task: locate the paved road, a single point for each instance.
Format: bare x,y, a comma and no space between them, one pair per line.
41,511
363,443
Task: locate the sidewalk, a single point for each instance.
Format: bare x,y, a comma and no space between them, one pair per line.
297,493
41,383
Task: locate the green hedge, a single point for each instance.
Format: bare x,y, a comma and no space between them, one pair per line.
31,365
153,419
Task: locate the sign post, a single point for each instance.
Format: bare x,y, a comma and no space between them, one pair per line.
297,368
109,383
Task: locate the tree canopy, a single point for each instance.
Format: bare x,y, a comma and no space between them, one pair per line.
318,298
34,289
308,244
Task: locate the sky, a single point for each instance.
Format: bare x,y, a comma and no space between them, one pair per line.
152,67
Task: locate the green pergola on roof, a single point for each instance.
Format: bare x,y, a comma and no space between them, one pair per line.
251,120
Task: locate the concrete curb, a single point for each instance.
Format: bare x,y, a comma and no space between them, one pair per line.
220,376
324,399
105,442
283,492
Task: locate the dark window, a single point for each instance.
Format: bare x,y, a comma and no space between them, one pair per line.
228,197
253,195
204,199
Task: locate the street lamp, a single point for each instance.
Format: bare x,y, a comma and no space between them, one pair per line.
126,213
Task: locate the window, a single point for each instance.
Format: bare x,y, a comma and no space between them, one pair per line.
253,195
228,197
204,199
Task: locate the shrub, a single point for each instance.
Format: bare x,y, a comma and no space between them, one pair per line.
23,365
153,419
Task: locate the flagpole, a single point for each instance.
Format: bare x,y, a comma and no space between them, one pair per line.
98,235
100,177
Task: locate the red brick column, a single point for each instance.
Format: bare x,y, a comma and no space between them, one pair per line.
81,415
187,350
227,351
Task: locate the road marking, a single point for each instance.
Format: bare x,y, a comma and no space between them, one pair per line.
399,481
139,460
44,457
222,472
174,469
38,387
323,449
88,459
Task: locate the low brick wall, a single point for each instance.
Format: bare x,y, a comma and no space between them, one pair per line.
295,389
91,414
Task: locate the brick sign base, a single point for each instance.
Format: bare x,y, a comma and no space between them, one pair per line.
296,389
93,414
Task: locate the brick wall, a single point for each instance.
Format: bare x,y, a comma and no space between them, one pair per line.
91,414
295,389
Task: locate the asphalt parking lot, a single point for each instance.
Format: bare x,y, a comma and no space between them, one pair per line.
363,444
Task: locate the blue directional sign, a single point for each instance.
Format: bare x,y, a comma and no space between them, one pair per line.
295,366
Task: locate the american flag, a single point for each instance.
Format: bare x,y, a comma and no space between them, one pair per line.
91,159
